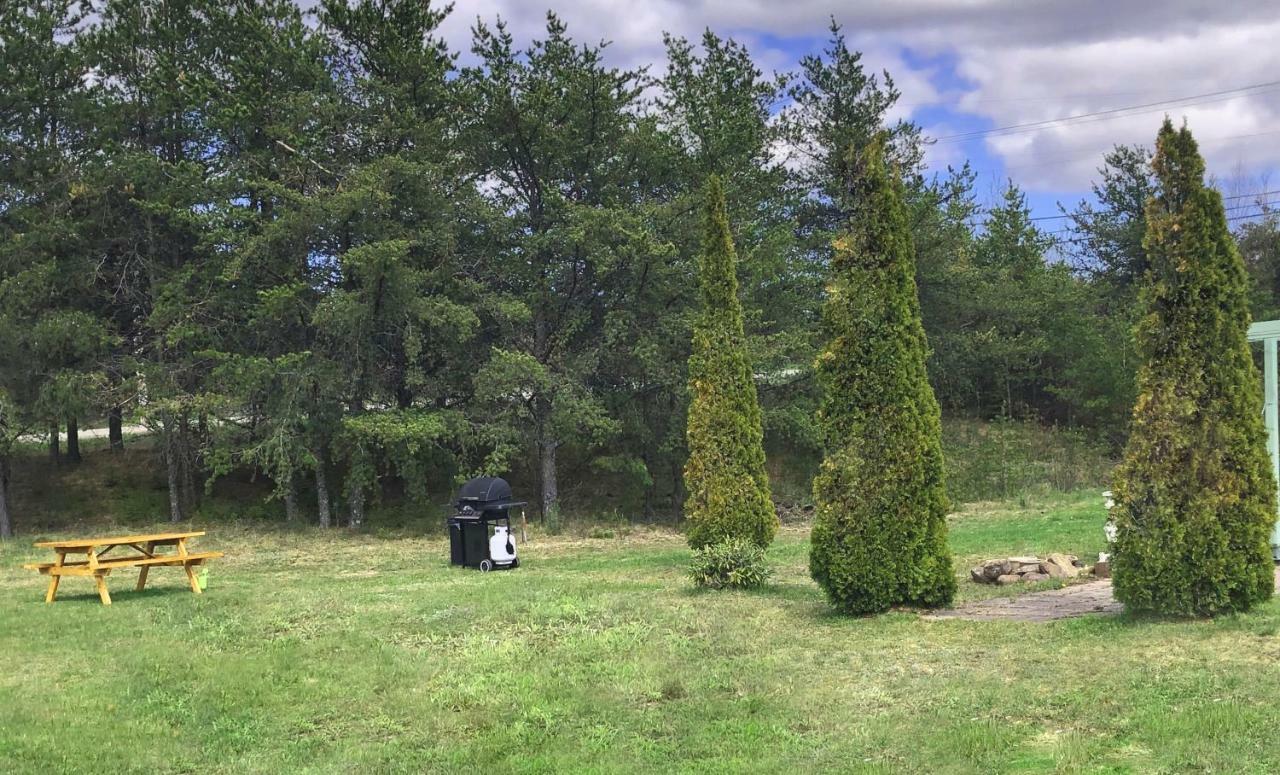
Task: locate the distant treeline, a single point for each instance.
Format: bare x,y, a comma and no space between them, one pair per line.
316,246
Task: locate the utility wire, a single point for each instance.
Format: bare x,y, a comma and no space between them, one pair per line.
1264,208
1233,197
1084,240
1191,100
1054,161
1225,199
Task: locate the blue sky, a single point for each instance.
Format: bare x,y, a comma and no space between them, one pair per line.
966,65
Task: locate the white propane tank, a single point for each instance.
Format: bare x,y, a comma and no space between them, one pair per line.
502,546
1109,529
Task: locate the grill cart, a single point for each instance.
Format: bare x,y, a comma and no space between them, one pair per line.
480,527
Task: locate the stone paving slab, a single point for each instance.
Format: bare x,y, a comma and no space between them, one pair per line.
1091,597
1076,600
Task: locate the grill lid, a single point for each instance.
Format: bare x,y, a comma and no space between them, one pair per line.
486,496
484,490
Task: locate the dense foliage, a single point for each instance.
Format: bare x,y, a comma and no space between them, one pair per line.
1195,498
879,535
259,227
733,563
724,475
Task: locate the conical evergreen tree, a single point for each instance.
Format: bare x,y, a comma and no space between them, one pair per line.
1195,498
728,490
880,536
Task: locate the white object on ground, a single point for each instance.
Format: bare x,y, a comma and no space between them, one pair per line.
1109,529
502,546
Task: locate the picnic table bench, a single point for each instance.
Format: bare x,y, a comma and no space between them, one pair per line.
97,564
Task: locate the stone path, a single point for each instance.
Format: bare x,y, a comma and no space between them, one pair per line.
1091,597
1076,600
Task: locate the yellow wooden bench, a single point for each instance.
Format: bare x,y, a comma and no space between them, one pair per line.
98,565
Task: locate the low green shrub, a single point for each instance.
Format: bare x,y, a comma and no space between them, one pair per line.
737,563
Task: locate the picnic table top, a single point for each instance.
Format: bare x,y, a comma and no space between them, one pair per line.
81,543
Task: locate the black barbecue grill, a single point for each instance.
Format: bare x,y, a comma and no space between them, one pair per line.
486,495
482,504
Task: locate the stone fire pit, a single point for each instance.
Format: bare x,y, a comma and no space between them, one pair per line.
1014,570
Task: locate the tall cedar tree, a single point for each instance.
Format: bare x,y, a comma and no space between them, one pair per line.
1195,499
879,538
724,476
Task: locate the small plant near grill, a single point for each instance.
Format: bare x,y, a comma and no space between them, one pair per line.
734,563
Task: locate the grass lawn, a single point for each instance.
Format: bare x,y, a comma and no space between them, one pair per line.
356,653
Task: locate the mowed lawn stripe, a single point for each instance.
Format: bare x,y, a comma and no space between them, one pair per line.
334,653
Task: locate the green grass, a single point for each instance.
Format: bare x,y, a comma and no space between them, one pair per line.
353,653
1003,459
1057,522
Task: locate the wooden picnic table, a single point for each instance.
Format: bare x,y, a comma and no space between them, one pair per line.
97,564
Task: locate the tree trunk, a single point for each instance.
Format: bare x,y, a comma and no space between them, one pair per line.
55,451
73,440
648,490
291,499
550,488
172,465
322,491
355,502
677,494
542,418
6,522
115,428
187,460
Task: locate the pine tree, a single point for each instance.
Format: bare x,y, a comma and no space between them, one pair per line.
879,537
728,490
563,135
1195,500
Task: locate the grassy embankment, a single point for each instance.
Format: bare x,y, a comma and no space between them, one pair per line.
339,652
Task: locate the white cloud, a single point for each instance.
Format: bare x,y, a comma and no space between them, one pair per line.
1028,83
1020,61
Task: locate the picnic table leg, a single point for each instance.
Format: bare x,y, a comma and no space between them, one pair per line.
101,581
54,580
142,572
191,574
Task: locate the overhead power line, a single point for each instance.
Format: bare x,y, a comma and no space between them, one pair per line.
1104,212
1057,161
1064,216
1099,115
1080,240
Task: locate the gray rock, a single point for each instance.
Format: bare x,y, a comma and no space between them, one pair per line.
1061,566
1035,576
992,569
1008,578
1056,571
1052,570
1065,560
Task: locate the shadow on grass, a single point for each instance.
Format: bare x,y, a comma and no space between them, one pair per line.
810,602
120,596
